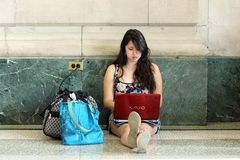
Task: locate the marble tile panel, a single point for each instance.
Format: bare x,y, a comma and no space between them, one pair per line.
3,44
224,27
163,41
28,86
223,89
223,12
203,12
223,40
184,90
81,11
173,11
7,8
44,41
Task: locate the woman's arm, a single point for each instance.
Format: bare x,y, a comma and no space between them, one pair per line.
158,80
108,87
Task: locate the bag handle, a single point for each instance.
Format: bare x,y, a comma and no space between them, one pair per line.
59,88
61,94
74,120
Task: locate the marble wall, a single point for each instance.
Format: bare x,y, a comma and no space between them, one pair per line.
28,85
195,90
223,89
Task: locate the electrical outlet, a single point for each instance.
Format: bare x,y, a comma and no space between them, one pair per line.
75,65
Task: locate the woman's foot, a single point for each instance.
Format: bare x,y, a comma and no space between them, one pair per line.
142,141
134,121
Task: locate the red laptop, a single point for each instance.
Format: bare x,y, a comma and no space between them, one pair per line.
147,106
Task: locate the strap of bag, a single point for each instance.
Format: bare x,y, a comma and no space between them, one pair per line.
73,119
92,109
54,114
59,89
52,104
80,95
61,94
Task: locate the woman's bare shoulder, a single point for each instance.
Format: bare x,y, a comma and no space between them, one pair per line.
155,67
111,67
110,70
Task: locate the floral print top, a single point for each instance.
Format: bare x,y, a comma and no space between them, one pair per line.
122,87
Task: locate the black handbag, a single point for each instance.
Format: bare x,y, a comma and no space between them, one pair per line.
51,120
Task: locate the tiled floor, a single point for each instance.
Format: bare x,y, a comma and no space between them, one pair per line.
169,144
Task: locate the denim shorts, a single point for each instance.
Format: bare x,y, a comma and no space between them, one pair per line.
156,123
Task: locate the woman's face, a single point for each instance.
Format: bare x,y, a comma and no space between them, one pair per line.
133,55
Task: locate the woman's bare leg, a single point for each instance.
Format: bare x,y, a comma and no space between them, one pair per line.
132,133
145,127
122,132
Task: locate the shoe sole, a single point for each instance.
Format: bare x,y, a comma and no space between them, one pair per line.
134,121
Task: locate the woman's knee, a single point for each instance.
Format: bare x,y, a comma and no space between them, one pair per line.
145,127
123,129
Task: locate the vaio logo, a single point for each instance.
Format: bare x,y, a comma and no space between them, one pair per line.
137,107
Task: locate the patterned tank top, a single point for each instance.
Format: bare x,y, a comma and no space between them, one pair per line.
122,87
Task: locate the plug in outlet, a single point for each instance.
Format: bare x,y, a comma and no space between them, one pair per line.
73,65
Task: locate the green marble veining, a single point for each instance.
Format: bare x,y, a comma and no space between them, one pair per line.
223,89
195,90
28,85
184,90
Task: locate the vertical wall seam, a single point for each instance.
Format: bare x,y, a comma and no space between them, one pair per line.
15,11
208,23
81,54
6,41
148,12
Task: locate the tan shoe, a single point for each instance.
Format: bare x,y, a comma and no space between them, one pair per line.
134,121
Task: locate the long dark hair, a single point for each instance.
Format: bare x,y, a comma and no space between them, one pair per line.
144,70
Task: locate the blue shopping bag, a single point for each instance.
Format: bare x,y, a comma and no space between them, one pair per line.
79,123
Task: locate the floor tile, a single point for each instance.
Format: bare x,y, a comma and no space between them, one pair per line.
168,144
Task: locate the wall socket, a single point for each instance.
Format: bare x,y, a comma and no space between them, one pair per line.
75,65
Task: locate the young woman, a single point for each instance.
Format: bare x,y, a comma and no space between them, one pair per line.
132,72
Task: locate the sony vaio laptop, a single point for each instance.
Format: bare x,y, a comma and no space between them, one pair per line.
147,106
